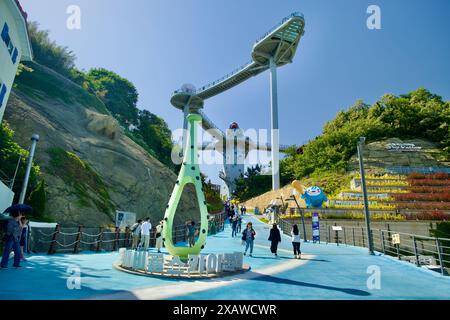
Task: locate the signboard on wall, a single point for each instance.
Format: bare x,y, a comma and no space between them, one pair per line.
315,227
125,219
403,147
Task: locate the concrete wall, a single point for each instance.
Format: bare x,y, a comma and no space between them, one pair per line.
7,68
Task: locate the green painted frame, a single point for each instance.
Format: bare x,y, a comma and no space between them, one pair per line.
189,173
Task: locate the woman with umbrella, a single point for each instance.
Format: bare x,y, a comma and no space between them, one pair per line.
13,234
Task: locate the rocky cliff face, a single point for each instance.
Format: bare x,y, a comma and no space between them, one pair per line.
91,168
395,152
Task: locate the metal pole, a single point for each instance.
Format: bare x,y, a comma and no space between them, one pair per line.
364,192
34,139
345,236
185,127
439,250
415,251
382,241
275,129
303,219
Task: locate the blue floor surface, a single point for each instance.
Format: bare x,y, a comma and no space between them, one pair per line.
329,272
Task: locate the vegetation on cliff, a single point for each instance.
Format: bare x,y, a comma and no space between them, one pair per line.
77,173
104,90
10,153
419,114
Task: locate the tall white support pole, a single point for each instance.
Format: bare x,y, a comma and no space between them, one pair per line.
34,139
185,127
275,129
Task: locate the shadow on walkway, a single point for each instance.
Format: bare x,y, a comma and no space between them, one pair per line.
273,279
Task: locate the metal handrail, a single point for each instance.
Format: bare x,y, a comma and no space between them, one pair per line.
294,14
413,248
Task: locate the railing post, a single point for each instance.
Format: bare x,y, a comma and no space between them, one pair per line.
336,236
398,251
345,236
77,242
329,234
51,249
100,239
362,234
415,251
382,241
439,250
127,236
116,238
353,232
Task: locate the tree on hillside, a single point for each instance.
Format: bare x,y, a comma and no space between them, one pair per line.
10,152
156,134
213,200
48,53
418,114
119,94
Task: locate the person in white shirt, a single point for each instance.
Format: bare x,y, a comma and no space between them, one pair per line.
146,227
159,236
296,241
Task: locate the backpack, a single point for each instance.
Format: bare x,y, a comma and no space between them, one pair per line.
134,227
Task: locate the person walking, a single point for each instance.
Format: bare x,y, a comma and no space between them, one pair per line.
136,233
159,236
12,240
234,225
239,224
248,237
296,241
146,227
23,238
192,232
274,238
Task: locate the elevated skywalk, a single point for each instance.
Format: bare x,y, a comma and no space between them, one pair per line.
280,43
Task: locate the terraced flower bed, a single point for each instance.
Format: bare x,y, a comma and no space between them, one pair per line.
416,196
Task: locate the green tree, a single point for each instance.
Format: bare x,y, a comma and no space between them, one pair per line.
10,152
119,94
37,200
156,134
48,53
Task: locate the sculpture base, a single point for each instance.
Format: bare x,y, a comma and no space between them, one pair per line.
183,275
196,266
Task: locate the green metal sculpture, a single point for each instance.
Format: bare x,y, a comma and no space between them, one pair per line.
189,173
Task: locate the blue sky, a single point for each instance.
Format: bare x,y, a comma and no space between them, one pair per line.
161,44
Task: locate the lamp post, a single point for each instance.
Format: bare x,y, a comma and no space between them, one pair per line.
292,198
364,192
34,140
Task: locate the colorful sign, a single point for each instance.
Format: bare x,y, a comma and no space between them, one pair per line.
315,227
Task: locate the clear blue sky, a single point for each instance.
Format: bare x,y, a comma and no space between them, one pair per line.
161,44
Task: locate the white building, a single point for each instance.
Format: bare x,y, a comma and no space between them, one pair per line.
15,46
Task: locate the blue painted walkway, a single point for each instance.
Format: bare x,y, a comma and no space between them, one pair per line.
325,272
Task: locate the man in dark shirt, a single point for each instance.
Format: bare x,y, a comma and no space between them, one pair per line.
12,240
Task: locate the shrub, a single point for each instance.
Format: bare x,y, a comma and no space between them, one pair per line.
429,182
423,197
430,215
